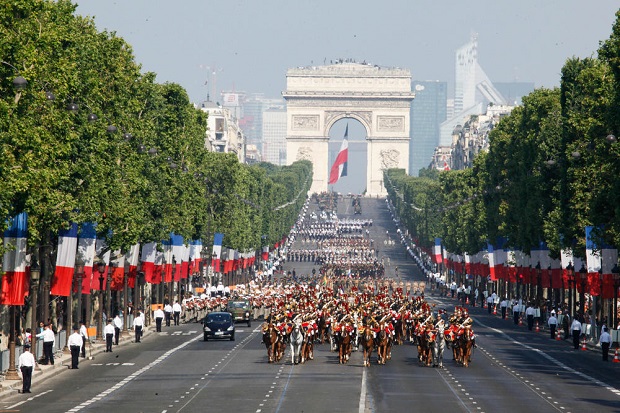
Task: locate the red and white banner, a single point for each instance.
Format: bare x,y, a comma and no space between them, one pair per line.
149,252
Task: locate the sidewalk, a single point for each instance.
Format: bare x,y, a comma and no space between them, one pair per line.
62,363
478,311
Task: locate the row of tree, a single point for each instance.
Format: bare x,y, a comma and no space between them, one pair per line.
552,168
92,139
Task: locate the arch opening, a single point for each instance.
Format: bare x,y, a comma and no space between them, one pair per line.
355,180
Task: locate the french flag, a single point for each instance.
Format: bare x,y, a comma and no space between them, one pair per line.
178,252
118,271
159,268
14,282
217,251
437,256
609,258
65,261
185,262
168,256
149,251
593,262
86,249
132,258
339,168
265,254
195,247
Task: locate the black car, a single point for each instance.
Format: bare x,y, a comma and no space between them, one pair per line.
219,325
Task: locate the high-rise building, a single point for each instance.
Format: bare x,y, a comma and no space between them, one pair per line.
274,136
513,92
251,121
473,90
428,111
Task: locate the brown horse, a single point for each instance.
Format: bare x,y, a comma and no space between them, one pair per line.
466,342
367,338
382,341
271,338
307,348
342,335
323,323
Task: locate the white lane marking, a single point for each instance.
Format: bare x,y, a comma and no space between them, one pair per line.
362,404
136,374
29,399
553,360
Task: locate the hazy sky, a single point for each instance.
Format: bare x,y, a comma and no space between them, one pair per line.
250,44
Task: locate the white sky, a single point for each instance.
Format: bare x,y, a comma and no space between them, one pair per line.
250,44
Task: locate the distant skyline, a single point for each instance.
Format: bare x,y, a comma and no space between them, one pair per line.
249,45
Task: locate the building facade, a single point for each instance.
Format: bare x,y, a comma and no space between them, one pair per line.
223,135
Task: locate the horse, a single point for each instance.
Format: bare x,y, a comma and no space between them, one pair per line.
343,341
307,348
323,323
439,345
466,344
271,339
367,338
382,341
296,339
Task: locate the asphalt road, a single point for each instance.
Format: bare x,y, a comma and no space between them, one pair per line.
513,369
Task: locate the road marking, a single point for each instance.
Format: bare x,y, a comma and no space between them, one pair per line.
362,404
134,375
29,399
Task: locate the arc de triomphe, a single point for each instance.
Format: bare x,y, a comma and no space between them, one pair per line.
379,98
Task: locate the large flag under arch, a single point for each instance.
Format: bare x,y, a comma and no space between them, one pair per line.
339,168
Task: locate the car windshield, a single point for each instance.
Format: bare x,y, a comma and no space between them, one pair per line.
217,318
238,304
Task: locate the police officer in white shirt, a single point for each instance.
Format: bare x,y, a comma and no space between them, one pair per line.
176,311
118,325
576,331
553,323
168,313
137,326
109,336
49,338
25,364
75,344
159,317
84,334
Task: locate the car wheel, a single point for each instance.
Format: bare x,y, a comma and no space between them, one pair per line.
205,337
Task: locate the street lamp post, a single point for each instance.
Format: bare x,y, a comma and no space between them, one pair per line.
171,286
79,269
125,331
35,274
583,275
538,283
615,272
570,272
101,270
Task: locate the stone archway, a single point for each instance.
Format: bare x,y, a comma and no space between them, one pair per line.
379,98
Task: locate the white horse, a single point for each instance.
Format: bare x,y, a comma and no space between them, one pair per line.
439,345
297,340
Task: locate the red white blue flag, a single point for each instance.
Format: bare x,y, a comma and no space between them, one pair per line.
14,282
86,250
437,256
339,168
217,251
149,252
65,261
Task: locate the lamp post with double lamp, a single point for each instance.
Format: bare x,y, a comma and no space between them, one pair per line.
125,331
583,276
615,272
101,269
35,275
570,275
538,283
79,269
